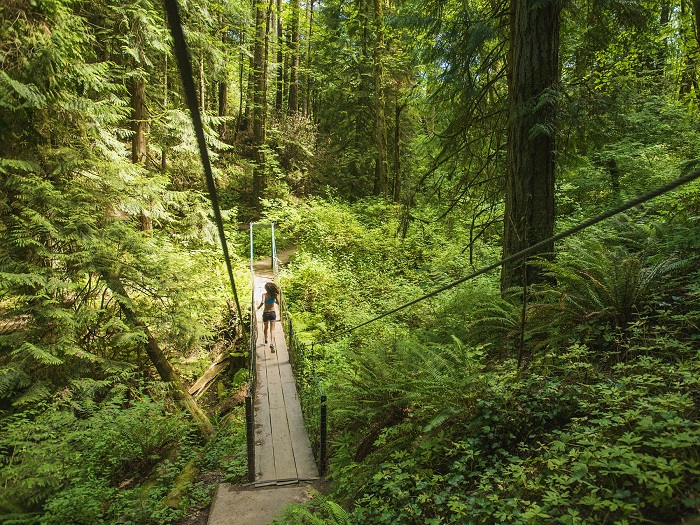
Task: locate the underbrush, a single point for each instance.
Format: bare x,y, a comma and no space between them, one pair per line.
579,408
118,461
522,447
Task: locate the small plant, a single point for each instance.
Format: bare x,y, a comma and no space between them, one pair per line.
319,511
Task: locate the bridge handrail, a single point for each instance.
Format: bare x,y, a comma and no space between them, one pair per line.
252,367
305,377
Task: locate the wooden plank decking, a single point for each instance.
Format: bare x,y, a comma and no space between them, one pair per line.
282,451
283,456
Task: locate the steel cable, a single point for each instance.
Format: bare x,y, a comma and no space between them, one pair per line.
534,248
186,73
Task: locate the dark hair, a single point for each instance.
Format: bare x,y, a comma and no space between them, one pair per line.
272,289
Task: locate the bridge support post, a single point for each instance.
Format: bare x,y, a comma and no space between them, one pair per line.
324,428
250,437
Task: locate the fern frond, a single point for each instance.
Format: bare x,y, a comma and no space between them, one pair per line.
12,379
27,94
319,511
36,392
7,165
440,418
37,354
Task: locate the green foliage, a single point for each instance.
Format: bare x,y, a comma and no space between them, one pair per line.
319,511
78,461
226,452
81,504
432,421
539,450
598,426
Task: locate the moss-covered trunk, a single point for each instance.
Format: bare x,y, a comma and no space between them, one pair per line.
165,369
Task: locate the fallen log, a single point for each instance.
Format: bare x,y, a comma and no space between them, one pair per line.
210,374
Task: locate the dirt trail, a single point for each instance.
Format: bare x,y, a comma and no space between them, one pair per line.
264,266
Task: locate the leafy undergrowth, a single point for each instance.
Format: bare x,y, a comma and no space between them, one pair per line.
525,447
585,411
116,461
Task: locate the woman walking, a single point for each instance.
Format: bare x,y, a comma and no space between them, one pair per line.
269,298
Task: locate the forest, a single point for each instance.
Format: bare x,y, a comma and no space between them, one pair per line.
398,146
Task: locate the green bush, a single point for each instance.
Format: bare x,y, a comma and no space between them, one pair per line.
428,428
623,449
65,462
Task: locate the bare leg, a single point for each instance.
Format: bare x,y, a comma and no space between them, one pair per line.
265,329
272,336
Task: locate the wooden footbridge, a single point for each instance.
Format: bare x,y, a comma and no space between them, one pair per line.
282,451
280,459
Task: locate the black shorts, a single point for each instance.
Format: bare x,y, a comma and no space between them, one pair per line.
269,316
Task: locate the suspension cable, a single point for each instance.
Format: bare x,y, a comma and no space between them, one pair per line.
186,74
534,248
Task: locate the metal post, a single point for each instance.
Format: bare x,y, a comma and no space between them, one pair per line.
250,437
249,415
274,249
251,247
324,428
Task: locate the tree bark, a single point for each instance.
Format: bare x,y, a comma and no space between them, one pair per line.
165,370
163,153
396,186
139,148
533,74
139,113
139,145
381,167
259,103
223,89
293,103
223,106
241,85
279,95
202,84
266,64
693,55
307,91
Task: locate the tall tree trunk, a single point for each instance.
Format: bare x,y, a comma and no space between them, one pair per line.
259,105
381,166
532,75
223,106
396,186
361,97
241,85
293,102
163,153
696,52
252,49
266,64
307,91
279,94
139,112
139,145
223,88
202,83
165,370
690,37
686,80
